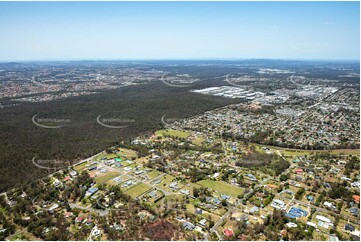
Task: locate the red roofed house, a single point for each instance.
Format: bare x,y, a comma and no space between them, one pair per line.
79,219
299,171
68,214
228,232
356,198
272,186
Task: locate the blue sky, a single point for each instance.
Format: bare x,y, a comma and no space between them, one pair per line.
179,30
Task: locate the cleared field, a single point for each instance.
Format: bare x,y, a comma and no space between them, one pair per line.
346,152
127,153
107,177
113,183
173,133
138,190
154,173
198,141
222,187
100,156
141,160
111,156
299,152
166,180
80,167
173,197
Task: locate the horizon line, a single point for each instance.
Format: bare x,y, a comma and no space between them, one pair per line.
173,59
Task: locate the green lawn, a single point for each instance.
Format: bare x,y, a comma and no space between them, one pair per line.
107,177
172,132
222,187
138,190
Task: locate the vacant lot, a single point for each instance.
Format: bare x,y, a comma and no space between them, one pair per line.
104,178
80,167
299,152
138,190
165,181
129,154
173,133
198,141
153,174
111,156
222,187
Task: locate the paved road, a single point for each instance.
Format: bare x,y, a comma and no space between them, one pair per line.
148,182
219,223
291,80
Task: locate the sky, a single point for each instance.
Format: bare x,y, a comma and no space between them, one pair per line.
179,30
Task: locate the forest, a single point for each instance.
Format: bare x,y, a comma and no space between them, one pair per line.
82,136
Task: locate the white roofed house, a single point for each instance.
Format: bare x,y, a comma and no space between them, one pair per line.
53,207
329,205
215,175
203,222
324,222
311,224
173,185
355,184
323,219
57,183
185,192
278,204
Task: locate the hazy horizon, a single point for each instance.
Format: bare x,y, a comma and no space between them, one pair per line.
181,59
73,31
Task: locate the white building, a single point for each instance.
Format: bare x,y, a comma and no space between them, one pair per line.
311,224
291,225
278,204
323,219
324,222
185,192
329,205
